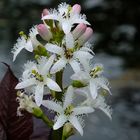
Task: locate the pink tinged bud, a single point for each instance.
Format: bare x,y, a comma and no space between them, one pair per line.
76,9
44,32
45,12
86,36
79,30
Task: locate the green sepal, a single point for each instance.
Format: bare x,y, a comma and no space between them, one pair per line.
40,51
77,84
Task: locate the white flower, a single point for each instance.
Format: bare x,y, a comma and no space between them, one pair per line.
25,103
67,112
92,79
66,17
24,42
98,103
38,77
68,53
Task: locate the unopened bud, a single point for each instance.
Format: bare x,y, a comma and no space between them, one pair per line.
76,9
86,36
79,30
44,32
45,12
68,130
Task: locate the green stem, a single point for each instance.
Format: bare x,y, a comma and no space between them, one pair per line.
57,134
47,120
63,137
59,78
59,81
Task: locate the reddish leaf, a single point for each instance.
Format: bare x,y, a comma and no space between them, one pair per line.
14,127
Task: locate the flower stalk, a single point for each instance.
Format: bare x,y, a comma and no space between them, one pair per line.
64,40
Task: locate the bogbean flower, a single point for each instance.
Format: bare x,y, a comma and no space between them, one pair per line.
24,42
97,103
64,41
66,112
25,103
92,79
38,76
67,16
69,52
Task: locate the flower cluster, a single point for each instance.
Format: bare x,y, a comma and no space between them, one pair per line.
64,35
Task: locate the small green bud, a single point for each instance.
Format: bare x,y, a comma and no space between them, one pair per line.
37,112
68,130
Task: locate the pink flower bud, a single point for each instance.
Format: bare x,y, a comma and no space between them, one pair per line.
44,32
45,12
86,36
76,9
79,30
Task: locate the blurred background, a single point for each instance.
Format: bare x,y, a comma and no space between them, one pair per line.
116,43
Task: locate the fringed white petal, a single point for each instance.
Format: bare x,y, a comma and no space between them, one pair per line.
84,58
99,103
32,34
107,110
82,91
83,54
39,94
45,69
21,43
87,50
52,85
59,65
93,89
52,106
66,26
51,16
103,83
63,8
82,110
81,76
26,83
81,21
69,41
75,66
29,46
60,122
68,97
54,49
75,122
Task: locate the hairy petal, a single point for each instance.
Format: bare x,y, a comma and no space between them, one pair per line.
60,122
48,64
69,41
39,94
74,121
75,65
68,97
52,85
54,49
50,16
81,76
52,106
66,26
59,65
103,82
26,83
82,110
93,89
